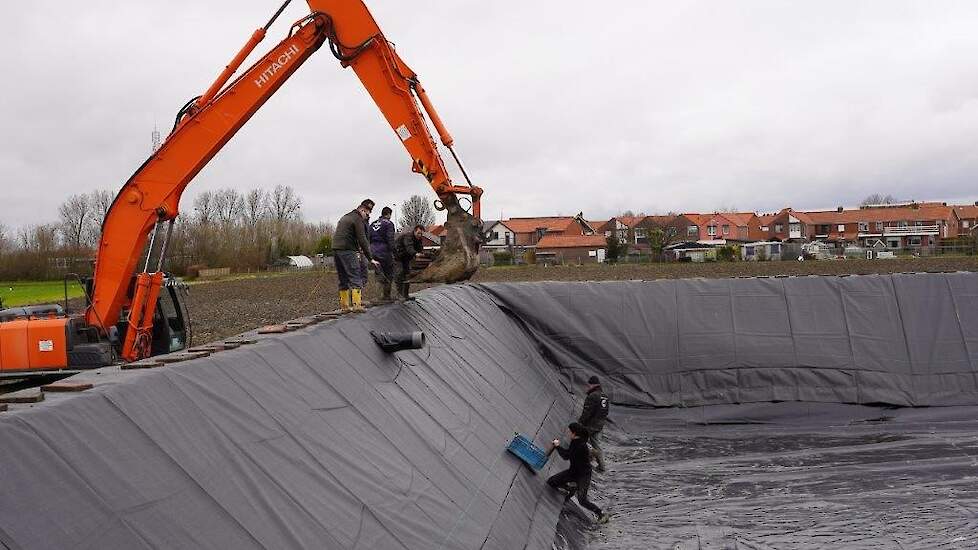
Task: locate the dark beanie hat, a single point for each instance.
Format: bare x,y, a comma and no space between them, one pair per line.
578,429
593,380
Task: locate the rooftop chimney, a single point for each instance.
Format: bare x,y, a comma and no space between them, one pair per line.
839,209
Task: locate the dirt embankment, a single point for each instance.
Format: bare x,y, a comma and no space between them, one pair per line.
224,308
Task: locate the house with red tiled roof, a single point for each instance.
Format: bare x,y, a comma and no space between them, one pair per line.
689,227
967,218
621,226
759,227
790,225
528,231
574,249
726,226
898,226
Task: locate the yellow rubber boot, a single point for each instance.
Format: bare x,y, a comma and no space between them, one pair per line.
345,300
357,295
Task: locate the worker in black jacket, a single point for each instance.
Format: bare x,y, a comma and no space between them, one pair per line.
349,243
593,416
577,478
407,246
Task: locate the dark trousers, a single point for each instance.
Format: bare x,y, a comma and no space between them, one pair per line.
404,271
349,270
386,270
563,479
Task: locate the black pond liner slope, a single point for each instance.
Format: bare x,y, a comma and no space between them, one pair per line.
800,412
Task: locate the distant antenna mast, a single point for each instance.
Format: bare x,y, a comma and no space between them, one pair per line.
157,140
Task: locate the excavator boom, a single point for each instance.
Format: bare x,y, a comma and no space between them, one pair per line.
124,300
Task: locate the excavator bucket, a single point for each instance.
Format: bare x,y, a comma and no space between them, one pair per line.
458,258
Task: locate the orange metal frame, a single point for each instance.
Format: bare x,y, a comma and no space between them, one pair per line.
153,193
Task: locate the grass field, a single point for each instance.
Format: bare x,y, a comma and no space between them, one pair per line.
19,293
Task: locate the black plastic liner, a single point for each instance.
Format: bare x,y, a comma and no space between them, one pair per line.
320,439
902,339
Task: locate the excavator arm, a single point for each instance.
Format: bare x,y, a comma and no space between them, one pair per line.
151,197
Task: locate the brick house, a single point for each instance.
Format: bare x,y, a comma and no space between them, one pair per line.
660,223
529,231
689,227
574,249
790,225
621,226
726,226
967,218
499,235
759,227
899,226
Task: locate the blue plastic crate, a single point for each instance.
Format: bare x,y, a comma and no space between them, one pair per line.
535,457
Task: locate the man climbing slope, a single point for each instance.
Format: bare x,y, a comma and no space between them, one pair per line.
577,478
593,416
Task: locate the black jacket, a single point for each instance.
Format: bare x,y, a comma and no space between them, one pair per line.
351,234
406,246
578,455
595,410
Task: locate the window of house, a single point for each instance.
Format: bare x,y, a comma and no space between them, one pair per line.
842,228
902,223
863,227
918,223
913,241
794,227
778,228
822,229
711,230
726,229
879,227
893,243
693,231
749,250
495,235
507,238
965,224
775,249
764,228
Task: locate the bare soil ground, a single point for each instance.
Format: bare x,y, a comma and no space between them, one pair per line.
224,308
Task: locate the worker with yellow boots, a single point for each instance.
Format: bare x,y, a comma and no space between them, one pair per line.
349,242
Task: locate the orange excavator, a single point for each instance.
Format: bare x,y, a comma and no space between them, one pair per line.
132,315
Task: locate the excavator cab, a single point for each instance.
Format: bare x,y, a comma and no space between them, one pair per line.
171,322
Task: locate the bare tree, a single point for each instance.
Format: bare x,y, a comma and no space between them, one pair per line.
284,204
878,198
255,207
75,213
228,204
99,202
627,214
39,239
4,239
727,208
204,206
416,211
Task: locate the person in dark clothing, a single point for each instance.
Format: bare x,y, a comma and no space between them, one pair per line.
577,478
593,416
349,242
406,248
382,234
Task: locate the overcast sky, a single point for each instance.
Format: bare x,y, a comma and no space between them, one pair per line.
556,106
